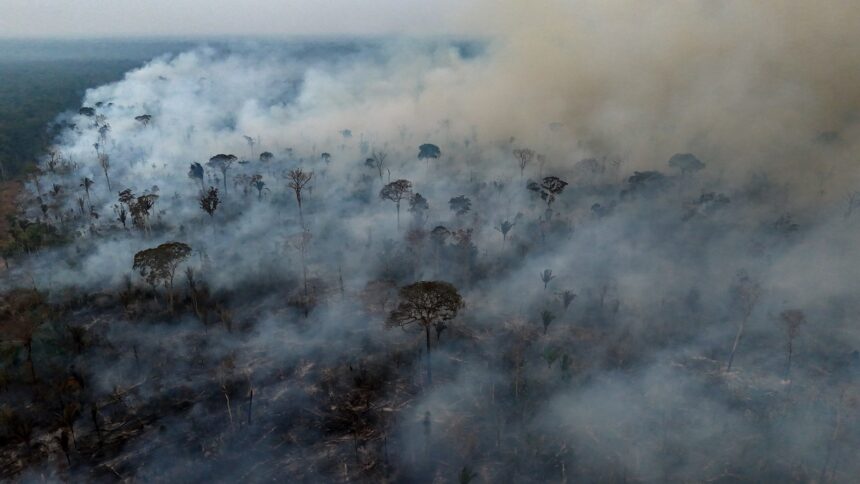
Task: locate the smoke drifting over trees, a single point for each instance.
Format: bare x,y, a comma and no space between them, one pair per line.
630,220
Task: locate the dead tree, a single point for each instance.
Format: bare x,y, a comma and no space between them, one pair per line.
524,157
792,319
746,293
297,181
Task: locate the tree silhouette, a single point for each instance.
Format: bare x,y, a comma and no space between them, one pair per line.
104,162
546,276
301,242
104,130
549,188
503,228
377,160
566,298
426,303
87,111
792,319
209,201
266,156
460,205
158,265
547,317
686,163
418,206
251,142
143,119
196,173
86,184
139,208
396,191
429,152
298,180
222,163
258,183
466,475
524,157
745,294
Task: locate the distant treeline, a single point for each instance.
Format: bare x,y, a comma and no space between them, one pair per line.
33,93
43,78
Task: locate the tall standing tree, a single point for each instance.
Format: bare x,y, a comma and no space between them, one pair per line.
158,265
396,191
251,142
86,184
140,208
548,189
546,276
257,182
429,152
524,157
547,317
222,163
793,319
460,205
566,297
686,163
104,162
196,173
143,119
504,227
419,206
745,293
426,304
377,160
301,242
209,201
297,181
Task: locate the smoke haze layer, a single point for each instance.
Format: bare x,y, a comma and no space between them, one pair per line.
682,308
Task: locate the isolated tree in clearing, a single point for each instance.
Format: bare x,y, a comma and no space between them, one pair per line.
429,152
427,304
524,157
196,173
298,180
222,163
396,191
158,265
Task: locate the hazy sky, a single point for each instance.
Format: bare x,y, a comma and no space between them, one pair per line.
64,18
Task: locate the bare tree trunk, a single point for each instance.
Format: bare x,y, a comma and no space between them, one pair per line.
30,359
429,370
737,341
831,443
229,409
250,405
788,364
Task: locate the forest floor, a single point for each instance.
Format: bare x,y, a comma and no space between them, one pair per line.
9,191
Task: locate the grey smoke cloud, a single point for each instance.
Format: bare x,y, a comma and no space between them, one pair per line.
218,18
749,88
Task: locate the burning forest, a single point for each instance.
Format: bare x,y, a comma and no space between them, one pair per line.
609,243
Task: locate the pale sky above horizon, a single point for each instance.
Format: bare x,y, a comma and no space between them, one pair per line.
101,18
